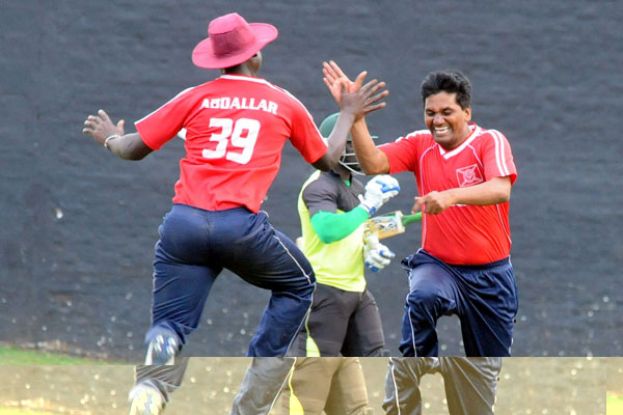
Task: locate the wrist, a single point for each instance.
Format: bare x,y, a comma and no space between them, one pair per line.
108,139
452,197
348,114
371,210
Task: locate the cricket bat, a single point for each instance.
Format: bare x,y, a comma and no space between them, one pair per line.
391,224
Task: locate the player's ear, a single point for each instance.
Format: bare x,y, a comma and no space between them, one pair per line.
468,113
256,61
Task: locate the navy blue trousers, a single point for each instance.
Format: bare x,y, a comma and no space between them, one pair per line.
194,247
484,298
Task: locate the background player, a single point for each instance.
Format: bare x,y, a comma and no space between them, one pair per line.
464,175
236,127
344,318
303,385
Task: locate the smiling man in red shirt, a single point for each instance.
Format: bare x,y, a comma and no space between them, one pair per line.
464,174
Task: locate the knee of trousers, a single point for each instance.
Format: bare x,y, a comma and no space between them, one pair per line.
306,291
421,301
300,282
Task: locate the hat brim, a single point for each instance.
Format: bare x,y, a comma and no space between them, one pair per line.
204,57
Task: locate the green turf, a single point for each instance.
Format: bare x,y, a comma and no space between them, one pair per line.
10,355
17,411
614,405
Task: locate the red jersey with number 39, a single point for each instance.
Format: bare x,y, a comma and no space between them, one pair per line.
460,235
236,127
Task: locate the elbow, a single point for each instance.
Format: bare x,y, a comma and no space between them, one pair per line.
373,170
504,195
375,164
500,190
327,237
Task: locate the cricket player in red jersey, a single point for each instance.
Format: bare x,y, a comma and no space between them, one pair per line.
464,174
236,127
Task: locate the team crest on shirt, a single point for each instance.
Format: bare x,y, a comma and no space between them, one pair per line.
469,176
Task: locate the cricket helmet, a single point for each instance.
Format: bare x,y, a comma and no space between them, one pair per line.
348,159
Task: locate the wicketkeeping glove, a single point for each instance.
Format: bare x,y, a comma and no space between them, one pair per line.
376,255
378,191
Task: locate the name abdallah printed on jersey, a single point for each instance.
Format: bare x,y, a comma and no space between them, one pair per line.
227,103
469,176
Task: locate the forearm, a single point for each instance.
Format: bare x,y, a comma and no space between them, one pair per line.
331,227
337,139
336,142
496,190
371,159
128,146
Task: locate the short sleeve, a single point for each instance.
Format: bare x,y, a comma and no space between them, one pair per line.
402,154
305,136
320,195
498,157
164,123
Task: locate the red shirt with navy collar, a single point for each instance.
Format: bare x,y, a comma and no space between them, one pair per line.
460,235
235,129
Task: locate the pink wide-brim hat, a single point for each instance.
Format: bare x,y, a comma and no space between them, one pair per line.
231,41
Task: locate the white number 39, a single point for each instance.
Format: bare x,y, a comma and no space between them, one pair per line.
242,134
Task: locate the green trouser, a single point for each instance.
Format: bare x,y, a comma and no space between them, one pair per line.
303,386
470,384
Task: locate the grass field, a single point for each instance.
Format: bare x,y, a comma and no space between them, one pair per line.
10,355
614,404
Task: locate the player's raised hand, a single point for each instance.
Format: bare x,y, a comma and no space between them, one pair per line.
332,76
366,99
100,127
335,79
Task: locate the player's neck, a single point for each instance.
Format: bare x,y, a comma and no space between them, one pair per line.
243,70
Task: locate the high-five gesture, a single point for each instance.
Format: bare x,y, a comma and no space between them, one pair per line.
334,78
355,97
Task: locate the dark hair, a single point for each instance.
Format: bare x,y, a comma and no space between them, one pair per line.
450,82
